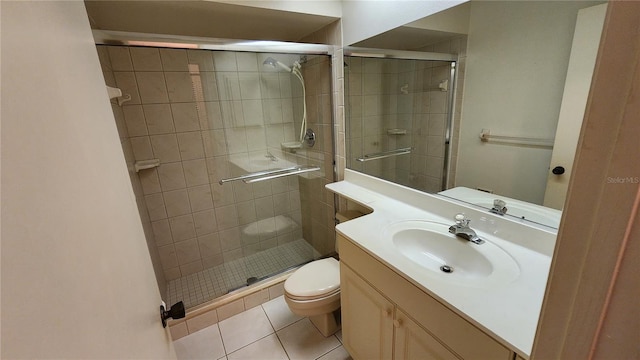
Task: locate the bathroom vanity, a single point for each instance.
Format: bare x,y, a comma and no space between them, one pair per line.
398,302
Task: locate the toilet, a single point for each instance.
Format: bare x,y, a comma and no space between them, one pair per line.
314,289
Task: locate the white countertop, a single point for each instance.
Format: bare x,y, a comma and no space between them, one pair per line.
509,312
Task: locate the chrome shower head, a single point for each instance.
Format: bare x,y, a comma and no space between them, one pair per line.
275,63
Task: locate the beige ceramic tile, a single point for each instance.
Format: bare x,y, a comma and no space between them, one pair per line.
134,118
213,115
209,245
227,217
230,239
152,87
141,147
158,118
195,172
245,328
200,198
120,59
178,331
191,268
177,202
171,176
162,232
247,61
187,251
174,59
182,227
202,58
338,353
212,261
103,56
172,274
155,206
302,340
145,59
167,256
205,222
165,147
246,212
279,313
185,117
149,181
203,344
202,321
255,299
225,61
230,309
190,144
268,347
179,87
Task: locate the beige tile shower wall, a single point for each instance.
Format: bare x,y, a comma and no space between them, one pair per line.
456,46
317,203
123,132
203,114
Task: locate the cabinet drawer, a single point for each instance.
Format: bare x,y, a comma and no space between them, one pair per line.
458,334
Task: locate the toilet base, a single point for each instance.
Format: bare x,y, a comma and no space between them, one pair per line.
328,324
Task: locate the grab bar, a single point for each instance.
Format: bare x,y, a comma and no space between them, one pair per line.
486,136
384,154
269,174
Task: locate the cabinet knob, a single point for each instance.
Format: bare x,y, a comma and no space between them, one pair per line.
387,312
397,323
558,170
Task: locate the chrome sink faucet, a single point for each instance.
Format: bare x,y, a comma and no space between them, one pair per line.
462,230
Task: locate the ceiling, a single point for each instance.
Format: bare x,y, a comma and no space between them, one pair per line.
405,38
203,19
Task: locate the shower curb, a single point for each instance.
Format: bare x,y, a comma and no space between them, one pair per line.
202,316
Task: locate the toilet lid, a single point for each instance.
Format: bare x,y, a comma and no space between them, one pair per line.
315,279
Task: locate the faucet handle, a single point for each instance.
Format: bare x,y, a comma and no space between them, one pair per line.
461,219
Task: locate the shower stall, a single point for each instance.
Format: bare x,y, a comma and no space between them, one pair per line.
228,152
400,116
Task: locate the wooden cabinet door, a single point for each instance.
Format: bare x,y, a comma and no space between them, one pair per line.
367,318
413,342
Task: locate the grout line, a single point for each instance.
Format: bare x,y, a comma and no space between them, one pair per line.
331,349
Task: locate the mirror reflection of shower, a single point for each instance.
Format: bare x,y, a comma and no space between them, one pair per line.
295,70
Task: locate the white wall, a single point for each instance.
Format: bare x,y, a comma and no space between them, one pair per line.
77,280
517,60
363,19
331,8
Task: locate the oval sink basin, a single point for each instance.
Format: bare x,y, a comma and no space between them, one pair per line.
432,247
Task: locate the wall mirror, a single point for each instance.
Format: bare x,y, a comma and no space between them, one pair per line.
482,101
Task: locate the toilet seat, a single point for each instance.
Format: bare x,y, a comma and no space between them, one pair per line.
315,280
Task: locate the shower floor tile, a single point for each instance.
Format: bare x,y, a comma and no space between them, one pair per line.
213,282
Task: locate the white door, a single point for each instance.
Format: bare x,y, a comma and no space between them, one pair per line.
582,61
77,279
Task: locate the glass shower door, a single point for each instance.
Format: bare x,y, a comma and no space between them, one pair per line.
216,121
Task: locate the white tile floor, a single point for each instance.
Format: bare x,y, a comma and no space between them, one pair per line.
269,331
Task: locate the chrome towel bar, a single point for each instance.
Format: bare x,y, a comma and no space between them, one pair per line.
270,174
384,154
